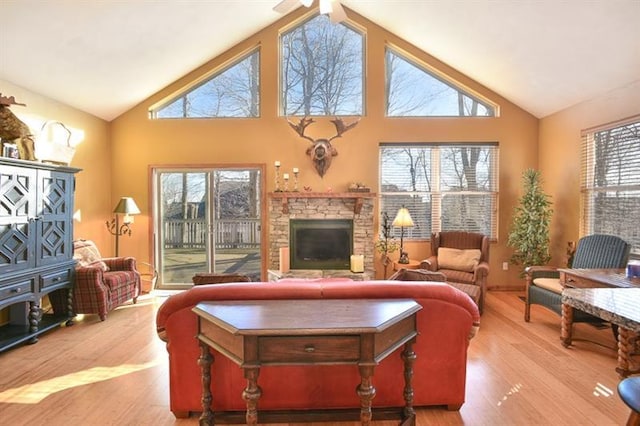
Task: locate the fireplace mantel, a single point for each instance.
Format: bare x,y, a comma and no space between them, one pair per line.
357,196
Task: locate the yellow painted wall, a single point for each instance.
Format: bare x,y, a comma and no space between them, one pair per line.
138,142
560,156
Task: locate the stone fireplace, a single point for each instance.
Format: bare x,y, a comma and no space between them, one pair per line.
322,209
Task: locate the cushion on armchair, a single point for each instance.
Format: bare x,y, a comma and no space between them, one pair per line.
456,259
551,284
86,254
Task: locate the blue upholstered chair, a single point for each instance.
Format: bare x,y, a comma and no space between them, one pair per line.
592,252
629,391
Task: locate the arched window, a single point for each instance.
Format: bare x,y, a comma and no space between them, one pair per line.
322,69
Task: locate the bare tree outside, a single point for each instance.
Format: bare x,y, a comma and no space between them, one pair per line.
322,69
232,92
444,186
412,91
612,195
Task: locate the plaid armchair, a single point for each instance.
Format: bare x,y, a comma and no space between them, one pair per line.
102,284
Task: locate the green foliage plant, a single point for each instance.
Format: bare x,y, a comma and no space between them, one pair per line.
529,234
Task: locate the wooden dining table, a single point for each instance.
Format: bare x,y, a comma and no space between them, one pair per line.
595,278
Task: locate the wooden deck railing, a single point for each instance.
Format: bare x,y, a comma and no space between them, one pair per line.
229,233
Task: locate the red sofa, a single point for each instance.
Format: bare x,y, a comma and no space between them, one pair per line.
447,322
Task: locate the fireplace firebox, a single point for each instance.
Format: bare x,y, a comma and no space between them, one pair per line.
320,243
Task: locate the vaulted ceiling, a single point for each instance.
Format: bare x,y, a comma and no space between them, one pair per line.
104,57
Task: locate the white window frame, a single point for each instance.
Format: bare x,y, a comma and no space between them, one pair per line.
621,218
438,194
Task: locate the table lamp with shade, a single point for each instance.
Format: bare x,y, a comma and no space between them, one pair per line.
403,219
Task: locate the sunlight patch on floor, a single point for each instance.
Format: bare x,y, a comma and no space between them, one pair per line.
34,393
602,390
514,390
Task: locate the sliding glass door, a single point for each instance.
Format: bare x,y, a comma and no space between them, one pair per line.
207,220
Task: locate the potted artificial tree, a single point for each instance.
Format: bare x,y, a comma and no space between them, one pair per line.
529,234
386,244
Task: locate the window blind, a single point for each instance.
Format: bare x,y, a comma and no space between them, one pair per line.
444,186
610,181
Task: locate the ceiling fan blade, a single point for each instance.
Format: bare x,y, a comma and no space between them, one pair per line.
338,14
286,6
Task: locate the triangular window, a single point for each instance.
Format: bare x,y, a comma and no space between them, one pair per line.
414,91
233,91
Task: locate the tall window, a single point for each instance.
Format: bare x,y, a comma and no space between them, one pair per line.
234,91
444,186
414,91
322,69
610,181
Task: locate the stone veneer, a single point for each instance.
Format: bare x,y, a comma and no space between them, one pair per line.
286,206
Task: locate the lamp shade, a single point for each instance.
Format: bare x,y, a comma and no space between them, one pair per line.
126,206
403,218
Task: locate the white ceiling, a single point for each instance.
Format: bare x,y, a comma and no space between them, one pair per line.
106,56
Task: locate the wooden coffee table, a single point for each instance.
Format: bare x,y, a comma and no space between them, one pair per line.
256,333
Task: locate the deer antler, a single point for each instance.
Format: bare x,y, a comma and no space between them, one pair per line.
321,151
341,127
10,100
301,126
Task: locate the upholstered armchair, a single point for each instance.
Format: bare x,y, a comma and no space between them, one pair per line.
592,252
102,284
463,257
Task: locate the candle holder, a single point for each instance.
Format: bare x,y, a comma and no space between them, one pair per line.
295,179
277,164
286,182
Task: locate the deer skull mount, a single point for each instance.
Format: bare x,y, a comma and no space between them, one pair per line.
321,151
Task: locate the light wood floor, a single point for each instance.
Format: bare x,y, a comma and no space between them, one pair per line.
115,373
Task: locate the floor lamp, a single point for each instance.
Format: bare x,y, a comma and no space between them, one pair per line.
403,219
126,207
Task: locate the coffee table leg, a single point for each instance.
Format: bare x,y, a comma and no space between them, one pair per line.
567,325
409,357
252,394
366,392
205,361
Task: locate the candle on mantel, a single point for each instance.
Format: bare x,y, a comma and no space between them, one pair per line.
285,176
357,263
295,170
277,163
284,259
